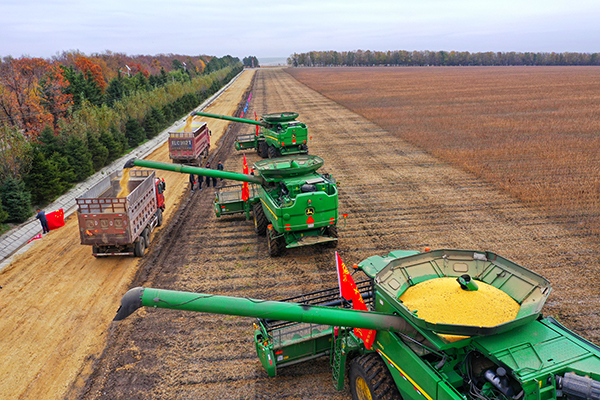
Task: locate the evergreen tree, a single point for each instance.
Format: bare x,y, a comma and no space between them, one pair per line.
164,78
66,171
49,142
121,140
79,158
3,213
43,179
151,126
114,147
98,151
16,200
115,90
134,132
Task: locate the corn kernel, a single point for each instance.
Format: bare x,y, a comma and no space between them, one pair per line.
441,300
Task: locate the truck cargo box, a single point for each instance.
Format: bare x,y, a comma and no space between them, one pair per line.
111,223
189,142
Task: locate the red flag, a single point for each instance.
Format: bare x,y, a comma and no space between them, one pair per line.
56,219
38,236
349,291
256,119
345,280
245,190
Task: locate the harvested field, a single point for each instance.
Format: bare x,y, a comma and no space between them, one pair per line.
533,132
397,196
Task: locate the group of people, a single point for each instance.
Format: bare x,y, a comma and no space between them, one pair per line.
193,177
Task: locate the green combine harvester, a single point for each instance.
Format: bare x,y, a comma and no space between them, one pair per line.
526,358
280,134
292,204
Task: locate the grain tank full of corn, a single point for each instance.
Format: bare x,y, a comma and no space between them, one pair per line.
277,134
479,335
292,204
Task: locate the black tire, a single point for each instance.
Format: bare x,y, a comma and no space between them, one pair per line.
263,149
159,217
370,378
260,220
304,148
139,247
146,235
332,231
95,250
273,152
275,244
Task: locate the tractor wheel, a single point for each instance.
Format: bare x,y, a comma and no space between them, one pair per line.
332,231
273,152
263,149
304,148
159,217
260,220
140,247
371,379
275,244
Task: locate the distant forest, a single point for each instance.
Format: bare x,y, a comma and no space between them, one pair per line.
65,118
367,58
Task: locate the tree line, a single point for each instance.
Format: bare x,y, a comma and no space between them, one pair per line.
63,119
436,58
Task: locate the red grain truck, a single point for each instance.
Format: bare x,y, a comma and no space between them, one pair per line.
189,142
117,215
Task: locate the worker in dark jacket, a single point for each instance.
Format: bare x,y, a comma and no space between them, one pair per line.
207,177
193,181
220,167
43,220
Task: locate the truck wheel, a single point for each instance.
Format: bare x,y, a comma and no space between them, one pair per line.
146,235
275,244
263,149
95,250
260,220
140,247
159,217
371,379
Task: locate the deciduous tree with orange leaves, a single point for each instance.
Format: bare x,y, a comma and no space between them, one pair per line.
20,95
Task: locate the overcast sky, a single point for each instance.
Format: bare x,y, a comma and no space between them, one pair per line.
43,28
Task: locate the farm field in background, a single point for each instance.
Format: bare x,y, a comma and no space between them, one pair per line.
531,131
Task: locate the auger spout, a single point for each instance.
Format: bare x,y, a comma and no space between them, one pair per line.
245,307
227,118
185,169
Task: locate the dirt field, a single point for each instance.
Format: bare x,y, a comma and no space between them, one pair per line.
531,131
397,197
57,300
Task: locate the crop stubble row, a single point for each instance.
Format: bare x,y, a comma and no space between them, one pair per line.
397,197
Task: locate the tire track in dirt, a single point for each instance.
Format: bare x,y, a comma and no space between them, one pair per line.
397,196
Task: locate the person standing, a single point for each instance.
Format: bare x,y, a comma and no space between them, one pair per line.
193,181
41,215
220,167
207,177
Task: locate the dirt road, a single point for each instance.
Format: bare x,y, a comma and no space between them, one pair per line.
397,197
57,300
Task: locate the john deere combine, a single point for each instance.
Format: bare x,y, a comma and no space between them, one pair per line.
292,204
279,135
528,357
